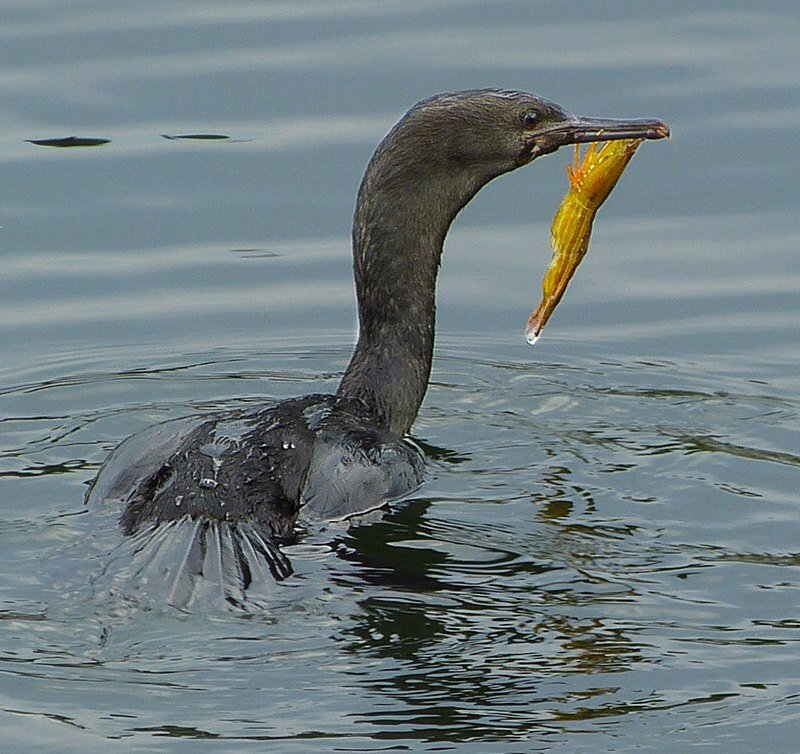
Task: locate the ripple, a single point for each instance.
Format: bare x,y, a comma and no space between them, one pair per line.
605,554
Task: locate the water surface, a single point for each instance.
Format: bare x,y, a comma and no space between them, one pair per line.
604,556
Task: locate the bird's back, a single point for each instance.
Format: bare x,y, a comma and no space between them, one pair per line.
211,499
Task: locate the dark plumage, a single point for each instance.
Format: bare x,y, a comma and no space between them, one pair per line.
232,485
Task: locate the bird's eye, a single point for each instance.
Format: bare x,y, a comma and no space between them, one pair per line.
529,120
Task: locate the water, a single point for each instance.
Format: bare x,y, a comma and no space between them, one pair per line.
604,556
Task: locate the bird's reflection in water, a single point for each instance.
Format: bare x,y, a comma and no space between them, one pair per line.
476,627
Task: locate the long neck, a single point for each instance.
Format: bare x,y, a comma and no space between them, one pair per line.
402,217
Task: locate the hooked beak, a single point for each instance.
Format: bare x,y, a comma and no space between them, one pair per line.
575,129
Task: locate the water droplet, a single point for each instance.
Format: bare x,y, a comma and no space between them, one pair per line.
292,445
178,500
209,484
286,446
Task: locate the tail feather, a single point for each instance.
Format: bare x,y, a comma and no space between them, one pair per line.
186,562
278,563
223,565
189,569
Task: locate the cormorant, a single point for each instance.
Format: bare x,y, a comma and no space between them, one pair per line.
210,499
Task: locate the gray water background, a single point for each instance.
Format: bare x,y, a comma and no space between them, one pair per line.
605,556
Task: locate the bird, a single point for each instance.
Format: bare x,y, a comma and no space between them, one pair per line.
212,499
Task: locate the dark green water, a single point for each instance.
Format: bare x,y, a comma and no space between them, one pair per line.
606,554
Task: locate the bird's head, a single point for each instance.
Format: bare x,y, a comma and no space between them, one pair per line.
489,132
446,147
